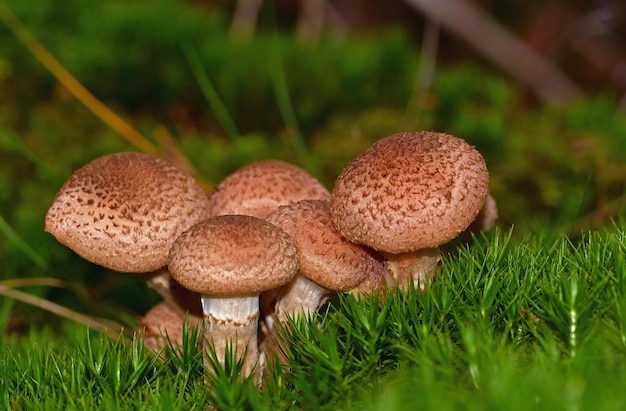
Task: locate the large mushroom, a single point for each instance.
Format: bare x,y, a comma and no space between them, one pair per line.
408,194
123,211
230,260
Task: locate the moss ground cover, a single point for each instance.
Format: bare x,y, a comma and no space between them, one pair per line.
533,325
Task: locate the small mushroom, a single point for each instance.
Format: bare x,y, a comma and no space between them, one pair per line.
328,263
375,283
230,260
163,326
259,188
408,194
123,211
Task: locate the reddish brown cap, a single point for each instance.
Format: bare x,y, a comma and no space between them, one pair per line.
233,255
162,323
123,211
325,257
260,187
410,191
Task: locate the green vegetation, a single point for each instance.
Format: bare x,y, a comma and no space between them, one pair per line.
531,319
536,325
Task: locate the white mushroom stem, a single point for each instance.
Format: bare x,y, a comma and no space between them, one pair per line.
419,265
159,281
231,326
301,298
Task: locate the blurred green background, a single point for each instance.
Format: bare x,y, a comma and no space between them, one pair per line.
185,77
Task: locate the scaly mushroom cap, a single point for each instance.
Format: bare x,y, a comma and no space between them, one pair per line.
325,257
260,187
233,255
410,191
123,211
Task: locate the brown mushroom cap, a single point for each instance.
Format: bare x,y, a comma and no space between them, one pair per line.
410,191
325,257
260,187
233,255
162,323
123,211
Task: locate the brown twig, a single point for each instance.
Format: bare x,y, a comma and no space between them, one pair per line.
502,47
111,329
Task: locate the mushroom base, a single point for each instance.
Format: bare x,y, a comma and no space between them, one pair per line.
300,298
418,266
230,329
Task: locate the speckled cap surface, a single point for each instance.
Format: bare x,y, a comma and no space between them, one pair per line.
410,191
259,188
325,257
123,211
233,255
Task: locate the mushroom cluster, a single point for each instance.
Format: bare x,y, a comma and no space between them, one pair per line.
271,244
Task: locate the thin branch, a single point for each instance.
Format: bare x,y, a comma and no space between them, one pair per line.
245,17
500,45
109,328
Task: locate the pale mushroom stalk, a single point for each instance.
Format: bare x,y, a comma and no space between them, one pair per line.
235,321
159,281
417,265
303,296
374,284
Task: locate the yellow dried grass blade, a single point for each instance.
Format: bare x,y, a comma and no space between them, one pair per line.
100,110
73,85
111,329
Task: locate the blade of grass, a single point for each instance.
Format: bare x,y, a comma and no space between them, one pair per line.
168,146
6,310
105,114
111,329
77,290
285,107
41,165
21,244
210,93
422,87
37,281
